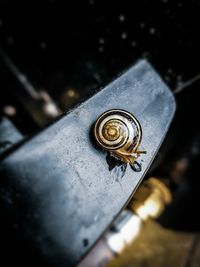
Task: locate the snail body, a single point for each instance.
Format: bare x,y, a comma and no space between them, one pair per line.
120,133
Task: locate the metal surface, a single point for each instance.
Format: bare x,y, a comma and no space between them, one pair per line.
9,135
64,194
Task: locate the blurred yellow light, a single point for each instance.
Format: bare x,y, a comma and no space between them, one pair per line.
71,93
150,199
149,209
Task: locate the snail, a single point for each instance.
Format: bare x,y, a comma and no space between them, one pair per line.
120,133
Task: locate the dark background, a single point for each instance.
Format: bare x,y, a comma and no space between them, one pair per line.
83,44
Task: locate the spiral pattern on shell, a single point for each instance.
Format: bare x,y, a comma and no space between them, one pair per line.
117,130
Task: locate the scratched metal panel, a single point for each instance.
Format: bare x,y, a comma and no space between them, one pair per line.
9,135
68,195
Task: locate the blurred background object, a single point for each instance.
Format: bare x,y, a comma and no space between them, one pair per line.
150,199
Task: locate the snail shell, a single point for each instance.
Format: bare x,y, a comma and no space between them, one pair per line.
118,131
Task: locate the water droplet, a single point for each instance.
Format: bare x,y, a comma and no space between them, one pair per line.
179,77
152,30
133,44
101,49
121,18
179,81
96,217
43,45
10,40
146,55
169,70
167,78
124,35
101,40
135,166
142,25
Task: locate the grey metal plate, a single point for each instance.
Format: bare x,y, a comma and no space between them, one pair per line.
69,195
9,135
